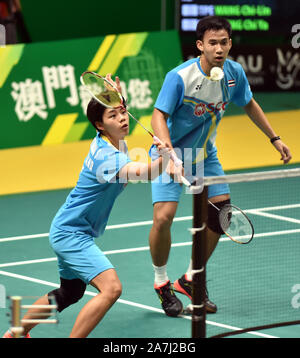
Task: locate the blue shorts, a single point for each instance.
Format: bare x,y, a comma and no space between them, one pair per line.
78,255
168,190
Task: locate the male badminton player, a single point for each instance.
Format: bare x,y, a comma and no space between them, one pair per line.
187,112
83,217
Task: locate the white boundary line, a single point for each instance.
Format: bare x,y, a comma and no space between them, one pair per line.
146,248
273,216
111,252
108,227
129,303
257,211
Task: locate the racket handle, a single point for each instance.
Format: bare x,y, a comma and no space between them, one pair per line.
185,181
157,139
175,159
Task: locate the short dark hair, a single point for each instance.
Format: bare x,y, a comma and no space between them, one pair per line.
95,112
212,23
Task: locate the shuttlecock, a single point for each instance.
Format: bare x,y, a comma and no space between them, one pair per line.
216,74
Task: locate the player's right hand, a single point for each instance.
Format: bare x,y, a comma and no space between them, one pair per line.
176,172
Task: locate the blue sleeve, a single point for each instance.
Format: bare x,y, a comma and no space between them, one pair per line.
108,163
171,94
242,94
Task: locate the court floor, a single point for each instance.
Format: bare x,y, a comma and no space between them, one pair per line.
252,284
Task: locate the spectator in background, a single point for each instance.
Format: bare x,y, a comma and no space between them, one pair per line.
11,17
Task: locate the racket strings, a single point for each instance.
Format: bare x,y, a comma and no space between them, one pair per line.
110,98
225,216
235,224
103,90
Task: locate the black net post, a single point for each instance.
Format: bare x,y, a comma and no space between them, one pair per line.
199,257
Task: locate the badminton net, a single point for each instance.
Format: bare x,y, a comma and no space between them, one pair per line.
257,286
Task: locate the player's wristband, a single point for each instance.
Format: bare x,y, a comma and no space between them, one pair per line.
272,140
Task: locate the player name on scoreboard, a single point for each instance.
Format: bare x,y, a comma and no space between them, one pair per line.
250,17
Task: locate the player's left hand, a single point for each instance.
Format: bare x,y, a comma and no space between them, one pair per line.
283,150
116,83
176,172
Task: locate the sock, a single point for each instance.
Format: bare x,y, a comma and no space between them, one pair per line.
188,274
160,275
22,335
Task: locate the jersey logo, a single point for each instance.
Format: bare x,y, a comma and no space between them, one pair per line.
201,108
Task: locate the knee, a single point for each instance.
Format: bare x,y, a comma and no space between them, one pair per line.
162,220
114,291
70,292
213,220
117,290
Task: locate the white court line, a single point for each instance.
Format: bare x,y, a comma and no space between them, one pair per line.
273,216
23,237
108,227
278,207
111,252
28,262
129,303
146,248
150,222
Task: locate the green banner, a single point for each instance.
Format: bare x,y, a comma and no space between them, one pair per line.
42,100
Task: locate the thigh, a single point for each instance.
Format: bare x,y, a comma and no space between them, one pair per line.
165,191
79,256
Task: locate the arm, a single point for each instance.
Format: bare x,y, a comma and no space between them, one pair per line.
256,114
167,103
143,171
160,128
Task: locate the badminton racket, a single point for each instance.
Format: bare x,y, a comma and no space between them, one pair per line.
235,223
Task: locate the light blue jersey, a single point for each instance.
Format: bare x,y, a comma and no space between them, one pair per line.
196,104
89,204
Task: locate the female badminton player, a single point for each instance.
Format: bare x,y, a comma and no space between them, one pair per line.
83,217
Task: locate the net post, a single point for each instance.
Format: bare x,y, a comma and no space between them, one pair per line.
16,327
199,260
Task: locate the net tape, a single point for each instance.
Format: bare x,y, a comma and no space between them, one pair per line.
253,176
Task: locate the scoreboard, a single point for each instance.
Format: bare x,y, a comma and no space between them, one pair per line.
242,17
252,21
265,37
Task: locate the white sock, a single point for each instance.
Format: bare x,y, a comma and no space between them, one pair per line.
188,273
9,330
160,275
